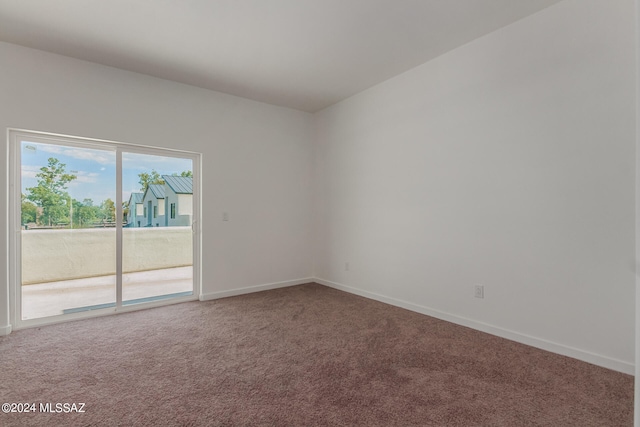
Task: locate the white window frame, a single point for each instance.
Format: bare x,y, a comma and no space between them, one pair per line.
14,179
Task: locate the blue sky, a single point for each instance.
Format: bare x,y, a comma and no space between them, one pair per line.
95,169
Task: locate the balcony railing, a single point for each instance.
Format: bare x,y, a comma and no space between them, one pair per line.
63,254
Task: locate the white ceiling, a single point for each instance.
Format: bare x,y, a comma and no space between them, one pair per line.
303,54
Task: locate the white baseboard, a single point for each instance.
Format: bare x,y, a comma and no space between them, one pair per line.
251,289
585,356
5,330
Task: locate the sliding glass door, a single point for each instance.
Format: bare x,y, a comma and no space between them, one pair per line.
157,246
67,235
99,227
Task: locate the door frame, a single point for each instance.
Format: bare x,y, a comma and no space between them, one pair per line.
15,136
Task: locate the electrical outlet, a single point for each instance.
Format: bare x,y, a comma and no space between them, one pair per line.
478,291
346,266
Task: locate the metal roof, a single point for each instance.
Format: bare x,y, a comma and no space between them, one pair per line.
157,190
136,198
179,184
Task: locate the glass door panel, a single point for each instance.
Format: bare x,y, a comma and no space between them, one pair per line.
99,226
157,238
68,234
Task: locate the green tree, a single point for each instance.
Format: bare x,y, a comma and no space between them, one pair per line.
108,210
85,213
125,212
29,211
147,178
50,193
184,174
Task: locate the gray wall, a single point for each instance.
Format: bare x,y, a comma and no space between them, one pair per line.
256,157
508,162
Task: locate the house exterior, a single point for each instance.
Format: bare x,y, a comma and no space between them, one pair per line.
164,205
135,217
178,192
153,206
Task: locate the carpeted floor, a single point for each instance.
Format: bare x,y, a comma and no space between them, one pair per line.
301,356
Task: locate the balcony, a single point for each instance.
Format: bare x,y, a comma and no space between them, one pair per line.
66,271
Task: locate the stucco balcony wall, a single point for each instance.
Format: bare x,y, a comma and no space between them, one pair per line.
55,255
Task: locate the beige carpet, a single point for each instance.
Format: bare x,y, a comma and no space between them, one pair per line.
301,356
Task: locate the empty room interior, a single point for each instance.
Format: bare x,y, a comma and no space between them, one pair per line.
364,212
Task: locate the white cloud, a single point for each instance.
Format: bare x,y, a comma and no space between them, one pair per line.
146,162
85,177
29,171
102,157
55,149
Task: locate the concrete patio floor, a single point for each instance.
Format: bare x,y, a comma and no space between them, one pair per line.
51,299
